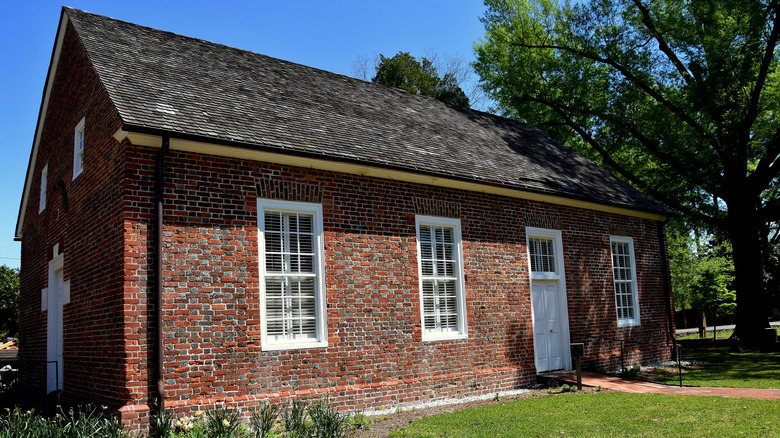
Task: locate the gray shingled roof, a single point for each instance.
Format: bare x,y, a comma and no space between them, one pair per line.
160,81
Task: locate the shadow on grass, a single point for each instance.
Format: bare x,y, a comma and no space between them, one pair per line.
749,369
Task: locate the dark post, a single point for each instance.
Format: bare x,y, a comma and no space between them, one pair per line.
702,325
577,351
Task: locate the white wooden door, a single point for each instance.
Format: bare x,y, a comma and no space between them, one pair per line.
548,346
54,340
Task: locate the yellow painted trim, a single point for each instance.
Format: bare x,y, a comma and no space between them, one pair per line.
377,172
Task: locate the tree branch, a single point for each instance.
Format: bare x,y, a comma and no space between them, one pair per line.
768,166
766,62
672,161
647,20
622,170
653,148
636,81
770,212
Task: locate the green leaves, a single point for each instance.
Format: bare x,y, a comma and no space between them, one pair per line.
662,92
404,71
677,97
9,301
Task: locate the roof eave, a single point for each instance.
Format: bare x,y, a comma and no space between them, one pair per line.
190,142
54,62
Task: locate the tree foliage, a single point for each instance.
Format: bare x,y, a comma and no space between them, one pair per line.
9,300
678,97
701,272
404,71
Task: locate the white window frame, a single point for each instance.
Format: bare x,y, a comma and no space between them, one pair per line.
557,238
321,338
625,322
44,183
461,331
79,144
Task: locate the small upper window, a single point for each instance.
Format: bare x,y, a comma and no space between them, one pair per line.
44,176
545,253
624,277
79,135
542,254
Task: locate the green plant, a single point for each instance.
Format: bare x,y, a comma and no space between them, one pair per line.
326,422
77,422
160,424
359,421
89,421
568,388
632,372
222,422
18,423
296,422
263,419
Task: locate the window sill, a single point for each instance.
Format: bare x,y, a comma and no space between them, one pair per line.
444,337
631,323
293,346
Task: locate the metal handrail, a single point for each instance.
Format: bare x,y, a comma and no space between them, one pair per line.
46,363
623,370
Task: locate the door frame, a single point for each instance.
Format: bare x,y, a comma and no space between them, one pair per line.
560,277
56,300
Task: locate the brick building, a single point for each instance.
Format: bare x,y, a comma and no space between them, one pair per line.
202,225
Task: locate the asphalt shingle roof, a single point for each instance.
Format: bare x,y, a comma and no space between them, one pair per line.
161,81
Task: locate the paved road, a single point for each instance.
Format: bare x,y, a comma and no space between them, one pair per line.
690,331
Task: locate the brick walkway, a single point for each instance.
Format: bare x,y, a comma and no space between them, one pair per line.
639,387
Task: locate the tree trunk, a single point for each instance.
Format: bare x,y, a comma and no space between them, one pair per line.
753,308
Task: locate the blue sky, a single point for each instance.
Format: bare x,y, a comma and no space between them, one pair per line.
330,35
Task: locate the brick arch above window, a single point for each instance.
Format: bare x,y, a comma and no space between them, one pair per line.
436,207
269,188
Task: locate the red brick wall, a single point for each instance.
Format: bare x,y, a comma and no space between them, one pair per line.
375,355
212,334
84,217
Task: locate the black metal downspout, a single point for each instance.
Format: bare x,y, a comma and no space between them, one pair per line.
159,183
667,285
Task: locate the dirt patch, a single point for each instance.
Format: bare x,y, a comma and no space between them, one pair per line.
381,426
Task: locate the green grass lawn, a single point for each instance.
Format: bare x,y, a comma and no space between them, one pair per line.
607,415
749,369
720,335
